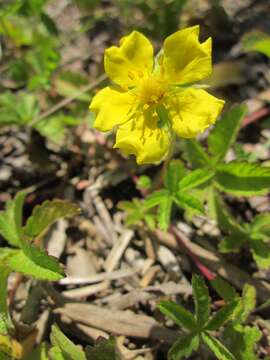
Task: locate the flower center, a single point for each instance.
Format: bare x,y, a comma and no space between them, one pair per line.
151,91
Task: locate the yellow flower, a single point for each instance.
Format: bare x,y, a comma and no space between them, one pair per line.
153,98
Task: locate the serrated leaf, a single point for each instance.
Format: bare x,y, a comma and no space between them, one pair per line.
242,340
201,299
196,178
46,214
248,302
221,352
11,220
5,322
55,127
164,212
103,350
232,243
69,350
35,263
222,316
179,315
196,154
243,179
261,253
224,289
224,134
175,172
189,202
184,347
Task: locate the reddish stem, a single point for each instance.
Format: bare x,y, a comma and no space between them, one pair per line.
257,115
209,275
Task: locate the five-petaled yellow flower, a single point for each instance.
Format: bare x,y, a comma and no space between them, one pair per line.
152,99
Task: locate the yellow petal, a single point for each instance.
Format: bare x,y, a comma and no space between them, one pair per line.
192,111
112,107
126,64
148,144
185,59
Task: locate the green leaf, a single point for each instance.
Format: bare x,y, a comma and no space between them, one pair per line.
164,212
144,182
196,178
224,289
261,253
184,347
179,315
55,127
242,341
224,218
155,198
34,262
175,172
232,243
56,354
11,220
196,154
202,300
221,352
189,202
224,134
5,321
39,353
46,214
243,179
260,227
69,350
248,303
257,41
222,316
103,350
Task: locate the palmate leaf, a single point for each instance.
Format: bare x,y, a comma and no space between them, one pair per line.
69,350
221,352
196,154
184,347
243,179
47,214
223,315
224,134
196,178
202,300
179,315
176,171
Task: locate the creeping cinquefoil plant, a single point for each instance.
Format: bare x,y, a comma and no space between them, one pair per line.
152,99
